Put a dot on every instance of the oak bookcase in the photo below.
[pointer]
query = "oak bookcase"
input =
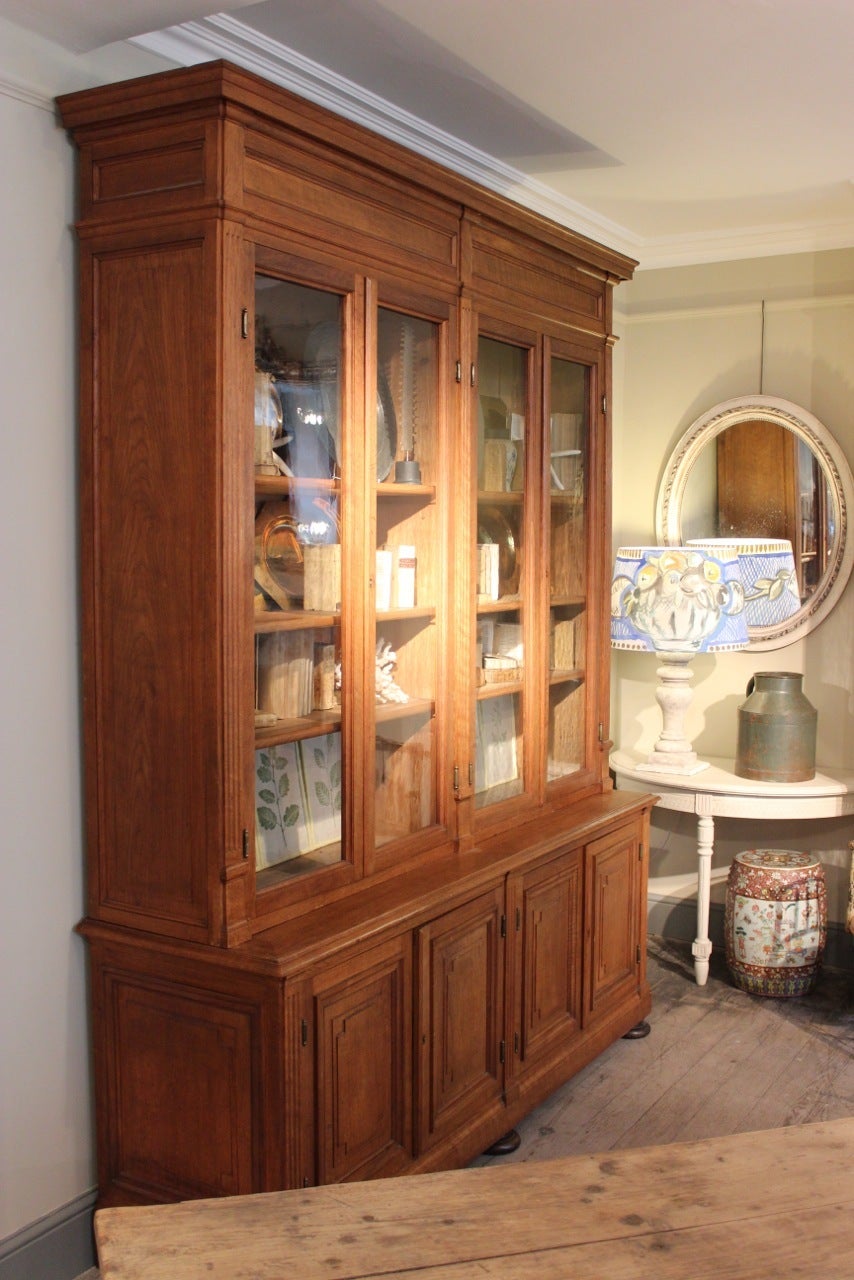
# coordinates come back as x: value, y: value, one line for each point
x: 360, y: 893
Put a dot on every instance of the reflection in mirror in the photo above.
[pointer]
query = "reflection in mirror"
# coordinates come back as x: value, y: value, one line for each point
x: 760, y: 480
x: 765, y: 468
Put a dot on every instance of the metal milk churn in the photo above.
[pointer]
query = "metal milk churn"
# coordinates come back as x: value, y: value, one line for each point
x: 776, y: 730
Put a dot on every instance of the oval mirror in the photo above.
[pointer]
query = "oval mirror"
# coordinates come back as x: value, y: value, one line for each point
x: 761, y: 467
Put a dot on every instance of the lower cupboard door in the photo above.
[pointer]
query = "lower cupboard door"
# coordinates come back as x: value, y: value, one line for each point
x: 460, y: 1002
x: 363, y: 1023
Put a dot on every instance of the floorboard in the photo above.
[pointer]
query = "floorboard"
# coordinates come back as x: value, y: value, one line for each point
x: 717, y: 1061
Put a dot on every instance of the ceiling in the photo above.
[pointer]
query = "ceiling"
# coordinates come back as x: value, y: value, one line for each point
x: 674, y: 130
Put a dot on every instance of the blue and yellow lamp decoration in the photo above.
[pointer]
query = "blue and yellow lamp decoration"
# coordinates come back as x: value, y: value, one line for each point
x: 677, y: 602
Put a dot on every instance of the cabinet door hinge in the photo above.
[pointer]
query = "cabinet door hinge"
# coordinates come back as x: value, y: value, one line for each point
x: 501, y: 1051
x: 605, y: 404
x: 473, y: 375
x: 456, y: 777
x: 504, y: 926
x: 244, y: 323
x: 516, y: 1043
x: 246, y: 842
x: 640, y: 853
x: 518, y: 919
x: 637, y: 955
x: 458, y: 370
x: 601, y: 731
x: 303, y: 1033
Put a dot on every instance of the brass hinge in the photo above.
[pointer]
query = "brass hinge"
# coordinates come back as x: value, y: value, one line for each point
x: 458, y: 370
x: 246, y: 842
x: 473, y: 375
x: 504, y: 926
x: 456, y: 777
x: 244, y: 323
x: 303, y: 1039
x: 601, y: 731
x: 640, y: 852
x: 604, y: 404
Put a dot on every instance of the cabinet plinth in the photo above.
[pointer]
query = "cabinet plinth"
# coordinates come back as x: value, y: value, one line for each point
x: 359, y: 891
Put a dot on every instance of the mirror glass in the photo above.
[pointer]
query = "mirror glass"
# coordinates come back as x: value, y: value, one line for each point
x: 765, y: 468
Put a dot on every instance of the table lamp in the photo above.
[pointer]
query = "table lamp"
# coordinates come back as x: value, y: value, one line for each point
x: 767, y: 568
x: 677, y: 602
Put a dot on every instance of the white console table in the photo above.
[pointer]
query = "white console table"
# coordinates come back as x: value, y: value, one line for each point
x: 716, y: 792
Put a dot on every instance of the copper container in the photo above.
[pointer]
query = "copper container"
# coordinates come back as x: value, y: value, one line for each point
x: 776, y: 730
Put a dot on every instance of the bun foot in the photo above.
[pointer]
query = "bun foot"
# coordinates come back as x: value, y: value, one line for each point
x: 510, y: 1142
x: 638, y: 1031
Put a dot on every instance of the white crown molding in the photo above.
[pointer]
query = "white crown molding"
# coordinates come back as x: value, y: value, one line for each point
x: 224, y: 36
x: 802, y: 304
x: 26, y: 93
x: 745, y: 242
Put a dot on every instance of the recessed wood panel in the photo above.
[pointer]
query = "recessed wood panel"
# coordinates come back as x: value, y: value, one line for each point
x: 612, y: 921
x: 154, y: 568
x: 339, y: 205
x: 531, y: 277
x: 550, y: 989
x: 182, y: 1093
x: 461, y: 986
x: 117, y: 177
x: 363, y: 1028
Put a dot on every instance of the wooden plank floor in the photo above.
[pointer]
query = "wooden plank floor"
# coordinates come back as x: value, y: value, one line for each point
x: 717, y: 1062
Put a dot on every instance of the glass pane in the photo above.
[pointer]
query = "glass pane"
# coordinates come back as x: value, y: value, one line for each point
x: 499, y: 660
x: 408, y: 575
x: 297, y: 571
x: 568, y: 436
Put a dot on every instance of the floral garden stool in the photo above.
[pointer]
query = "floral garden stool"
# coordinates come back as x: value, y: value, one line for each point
x: 775, y: 921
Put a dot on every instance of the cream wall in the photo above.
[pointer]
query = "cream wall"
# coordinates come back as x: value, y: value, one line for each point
x: 692, y: 337
x: 46, y: 1155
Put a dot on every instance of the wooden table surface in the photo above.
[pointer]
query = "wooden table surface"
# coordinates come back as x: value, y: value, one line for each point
x: 776, y: 1203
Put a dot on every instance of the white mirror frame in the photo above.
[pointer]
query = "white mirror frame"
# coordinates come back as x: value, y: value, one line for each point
x: 834, y: 465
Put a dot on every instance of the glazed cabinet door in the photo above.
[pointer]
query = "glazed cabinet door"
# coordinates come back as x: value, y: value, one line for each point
x: 540, y: 545
x: 409, y: 482
x: 303, y: 397
x: 351, y: 579
x: 544, y: 907
x: 615, y: 904
x: 460, y: 986
x: 576, y: 555
x: 505, y: 375
x: 362, y: 1028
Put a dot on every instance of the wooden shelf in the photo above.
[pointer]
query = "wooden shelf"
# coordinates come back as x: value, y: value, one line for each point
x: 313, y: 725
x: 402, y: 492
x: 573, y: 676
x: 507, y: 604
x: 298, y: 620
x: 281, y: 486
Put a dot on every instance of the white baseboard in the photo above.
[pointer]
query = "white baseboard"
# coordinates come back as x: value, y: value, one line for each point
x: 676, y: 918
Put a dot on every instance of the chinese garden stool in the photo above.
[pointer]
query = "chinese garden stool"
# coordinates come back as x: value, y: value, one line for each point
x: 775, y: 921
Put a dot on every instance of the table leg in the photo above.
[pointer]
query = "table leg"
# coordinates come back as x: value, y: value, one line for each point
x: 702, y: 947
